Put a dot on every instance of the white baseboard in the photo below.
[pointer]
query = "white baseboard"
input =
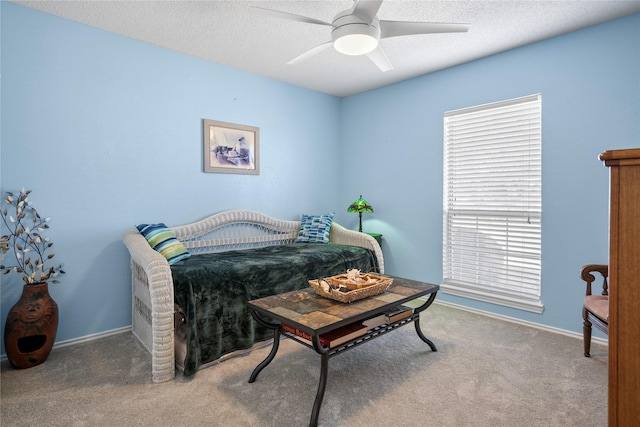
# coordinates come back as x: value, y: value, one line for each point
x: 565, y: 332
x: 85, y: 338
x: 597, y: 340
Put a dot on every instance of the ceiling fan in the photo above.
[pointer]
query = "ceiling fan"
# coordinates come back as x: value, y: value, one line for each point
x: 357, y: 31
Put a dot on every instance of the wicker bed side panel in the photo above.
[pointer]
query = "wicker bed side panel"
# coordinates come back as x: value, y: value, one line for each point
x: 141, y: 307
x: 152, y: 320
x: 344, y: 236
x: 152, y: 305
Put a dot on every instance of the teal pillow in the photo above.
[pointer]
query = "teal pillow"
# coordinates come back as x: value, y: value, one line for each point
x: 315, y: 228
x: 164, y: 241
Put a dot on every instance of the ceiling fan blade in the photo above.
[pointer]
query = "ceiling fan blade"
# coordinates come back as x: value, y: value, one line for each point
x: 289, y: 16
x: 308, y: 54
x: 378, y: 57
x: 366, y: 10
x: 401, y: 28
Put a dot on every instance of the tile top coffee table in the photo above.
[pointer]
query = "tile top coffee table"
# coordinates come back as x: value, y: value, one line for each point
x: 315, y: 315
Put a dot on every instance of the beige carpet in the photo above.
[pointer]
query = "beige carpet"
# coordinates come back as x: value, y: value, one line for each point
x: 486, y: 373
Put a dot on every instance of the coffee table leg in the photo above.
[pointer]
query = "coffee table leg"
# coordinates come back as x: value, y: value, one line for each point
x: 274, y: 348
x: 324, y: 368
x: 422, y: 337
x: 418, y: 310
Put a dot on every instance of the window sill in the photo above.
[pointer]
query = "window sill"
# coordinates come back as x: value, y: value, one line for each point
x: 460, y: 291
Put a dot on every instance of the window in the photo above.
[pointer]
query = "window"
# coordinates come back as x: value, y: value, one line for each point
x: 492, y: 203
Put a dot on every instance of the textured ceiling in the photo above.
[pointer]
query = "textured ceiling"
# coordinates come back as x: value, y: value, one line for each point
x: 230, y: 33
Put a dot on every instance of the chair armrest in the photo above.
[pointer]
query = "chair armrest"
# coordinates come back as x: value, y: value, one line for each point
x: 586, y: 275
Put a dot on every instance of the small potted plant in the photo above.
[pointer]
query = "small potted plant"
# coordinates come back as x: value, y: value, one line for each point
x: 32, y: 323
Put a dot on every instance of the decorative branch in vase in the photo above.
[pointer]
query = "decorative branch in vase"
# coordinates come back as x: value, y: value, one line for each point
x: 30, y: 248
x: 32, y: 323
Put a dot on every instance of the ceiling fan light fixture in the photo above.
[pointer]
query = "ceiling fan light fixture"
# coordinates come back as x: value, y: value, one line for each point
x: 356, y: 39
x: 357, y: 31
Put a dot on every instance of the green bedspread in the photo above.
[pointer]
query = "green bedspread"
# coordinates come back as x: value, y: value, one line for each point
x: 213, y: 290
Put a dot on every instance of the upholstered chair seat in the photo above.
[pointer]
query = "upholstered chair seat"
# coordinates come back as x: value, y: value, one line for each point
x: 598, y: 305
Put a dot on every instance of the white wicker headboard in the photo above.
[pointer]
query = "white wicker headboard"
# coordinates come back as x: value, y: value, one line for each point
x: 236, y: 229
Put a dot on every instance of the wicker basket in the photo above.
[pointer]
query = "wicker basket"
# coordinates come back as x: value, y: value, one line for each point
x: 328, y: 287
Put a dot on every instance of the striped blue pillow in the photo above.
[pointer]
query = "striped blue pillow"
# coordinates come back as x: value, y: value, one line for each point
x: 164, y: 241
x: 315, y: 228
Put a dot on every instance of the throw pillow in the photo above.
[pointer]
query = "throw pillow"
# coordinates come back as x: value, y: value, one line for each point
x: 164, y: 241
x: 315, y: 228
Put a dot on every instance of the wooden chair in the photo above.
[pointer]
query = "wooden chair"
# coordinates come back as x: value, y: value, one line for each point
x: 596, y: 307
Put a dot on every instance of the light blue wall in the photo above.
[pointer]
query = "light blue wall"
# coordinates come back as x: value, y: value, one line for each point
x: 106, y: 131
x: 590, y: 86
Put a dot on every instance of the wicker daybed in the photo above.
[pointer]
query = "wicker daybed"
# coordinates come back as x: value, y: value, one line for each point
x: 226, y: 234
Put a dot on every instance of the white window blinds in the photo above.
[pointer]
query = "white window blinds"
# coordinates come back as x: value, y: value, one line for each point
x: 492, y: 203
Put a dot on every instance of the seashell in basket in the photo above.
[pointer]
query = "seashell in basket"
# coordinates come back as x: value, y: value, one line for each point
x: 354, y: 274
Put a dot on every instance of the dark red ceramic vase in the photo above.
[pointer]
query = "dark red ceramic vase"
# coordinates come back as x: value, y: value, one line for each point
x: 32, y: 324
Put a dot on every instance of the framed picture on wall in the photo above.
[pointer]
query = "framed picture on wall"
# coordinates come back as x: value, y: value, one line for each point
x: 231, y: 148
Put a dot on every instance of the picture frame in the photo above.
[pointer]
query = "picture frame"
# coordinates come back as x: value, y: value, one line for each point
x: 231, y: 148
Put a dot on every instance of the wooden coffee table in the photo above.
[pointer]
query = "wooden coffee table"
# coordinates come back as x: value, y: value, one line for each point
x: 316, y: 315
